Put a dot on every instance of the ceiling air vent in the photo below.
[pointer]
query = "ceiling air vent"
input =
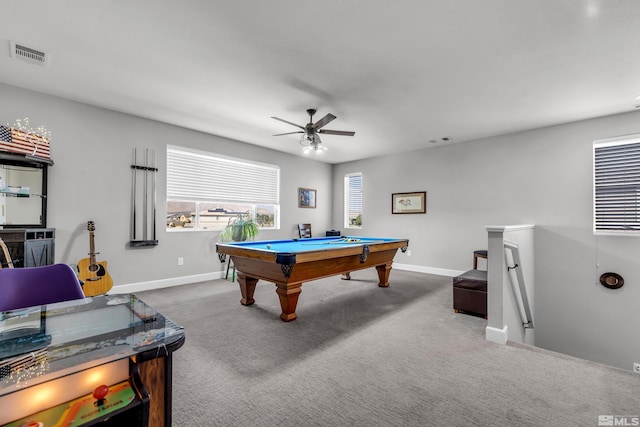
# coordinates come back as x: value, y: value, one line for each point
x: 29, y: 54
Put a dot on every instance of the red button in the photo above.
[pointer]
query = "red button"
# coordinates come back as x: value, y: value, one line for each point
x: 101, y: 392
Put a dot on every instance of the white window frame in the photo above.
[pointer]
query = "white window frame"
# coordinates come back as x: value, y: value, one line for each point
x: 206, y: 177
x: 348, y: 203
x: 616, y: 186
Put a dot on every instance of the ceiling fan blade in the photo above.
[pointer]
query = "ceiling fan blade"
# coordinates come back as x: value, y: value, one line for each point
x: 290, y: 123
x: 288, y: 133
x: 324, y: 121
x: 337, y: 132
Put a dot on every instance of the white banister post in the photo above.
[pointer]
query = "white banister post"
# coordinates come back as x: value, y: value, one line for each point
x: 500, y: 299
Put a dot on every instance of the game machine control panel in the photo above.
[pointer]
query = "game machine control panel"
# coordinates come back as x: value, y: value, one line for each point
x: 125, y: 403
x: 105, y: 361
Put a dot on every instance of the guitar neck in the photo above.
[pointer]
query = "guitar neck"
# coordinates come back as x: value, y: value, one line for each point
x: 92, y: 249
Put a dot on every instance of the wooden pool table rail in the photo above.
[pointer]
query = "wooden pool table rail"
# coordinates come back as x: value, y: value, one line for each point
x: 289, y: 270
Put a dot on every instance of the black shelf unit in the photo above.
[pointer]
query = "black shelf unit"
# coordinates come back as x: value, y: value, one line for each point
x: 26, y: 161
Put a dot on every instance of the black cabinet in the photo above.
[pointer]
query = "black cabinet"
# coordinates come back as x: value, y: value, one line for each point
x: 30, y: 247
x: 23, y: 210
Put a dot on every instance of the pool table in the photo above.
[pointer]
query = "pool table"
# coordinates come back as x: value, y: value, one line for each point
x: 289, y: 263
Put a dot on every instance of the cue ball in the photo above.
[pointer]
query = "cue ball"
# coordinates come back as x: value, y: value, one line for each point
x: 268, y: 246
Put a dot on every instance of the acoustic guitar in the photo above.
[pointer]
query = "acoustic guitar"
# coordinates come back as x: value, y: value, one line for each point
x: 94, y: 274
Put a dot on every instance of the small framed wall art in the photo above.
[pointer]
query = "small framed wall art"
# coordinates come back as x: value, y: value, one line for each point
x: 409, y: 203
x: 306, y: 198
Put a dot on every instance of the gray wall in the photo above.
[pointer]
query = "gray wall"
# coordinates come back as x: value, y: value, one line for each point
x: 91, y: 180
x: 541, y: 177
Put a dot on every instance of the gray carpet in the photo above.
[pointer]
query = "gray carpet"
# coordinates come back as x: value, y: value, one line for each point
x: 360, y: 355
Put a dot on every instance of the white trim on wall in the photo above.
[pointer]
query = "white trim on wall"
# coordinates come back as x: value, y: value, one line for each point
x: 185, y: 280
x: 164, y: 283
x: 428, y: 270
x: 499, y: 336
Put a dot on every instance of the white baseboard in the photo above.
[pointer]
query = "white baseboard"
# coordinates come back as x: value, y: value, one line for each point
x: 428, y: 270
x: 164, y: 283
x: 184, y: 280
x: 496, y: 335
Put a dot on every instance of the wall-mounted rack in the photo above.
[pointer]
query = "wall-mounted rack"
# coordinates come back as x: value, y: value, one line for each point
x: 143, y: 200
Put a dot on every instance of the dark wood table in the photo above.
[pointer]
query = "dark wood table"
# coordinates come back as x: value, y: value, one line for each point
x: 289, y: 263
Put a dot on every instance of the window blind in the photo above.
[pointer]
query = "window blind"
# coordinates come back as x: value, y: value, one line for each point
x: 617, y: 186
x: 200, y: 176
x: 353, y: 198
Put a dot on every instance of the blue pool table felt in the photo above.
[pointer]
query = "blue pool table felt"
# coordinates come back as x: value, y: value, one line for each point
x: 310, y: 244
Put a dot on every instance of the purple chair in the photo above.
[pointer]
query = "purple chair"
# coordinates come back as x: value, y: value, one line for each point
x: 31, y: 286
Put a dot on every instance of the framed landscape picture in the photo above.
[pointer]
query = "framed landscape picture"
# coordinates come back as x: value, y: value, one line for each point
x: 409, y: 203
x: 306, y: 198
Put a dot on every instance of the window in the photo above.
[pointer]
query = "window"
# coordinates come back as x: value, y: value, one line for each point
x: 205, y: 189
x: 616, y: 185
x: 353, y: 200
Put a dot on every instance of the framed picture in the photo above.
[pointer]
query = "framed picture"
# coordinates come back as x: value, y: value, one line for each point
x: 409, y: 203
x: 306, y: 198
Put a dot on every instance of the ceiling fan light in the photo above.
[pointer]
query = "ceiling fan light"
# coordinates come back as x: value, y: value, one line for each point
x: 306, y: 140
x: 310, y: 138
x: 311, y: 142
x: 314, y: 146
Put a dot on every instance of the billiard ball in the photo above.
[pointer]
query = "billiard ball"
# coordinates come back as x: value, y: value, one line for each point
x: 268, y: 246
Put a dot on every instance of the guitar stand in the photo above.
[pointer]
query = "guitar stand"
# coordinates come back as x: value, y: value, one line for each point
x: 146, y: 203
x: 7, y: 255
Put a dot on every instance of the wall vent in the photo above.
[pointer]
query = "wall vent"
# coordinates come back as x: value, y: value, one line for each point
x: 29, y: 54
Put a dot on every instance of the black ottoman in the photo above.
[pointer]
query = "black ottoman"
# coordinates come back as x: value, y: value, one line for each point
x: 470, y: 293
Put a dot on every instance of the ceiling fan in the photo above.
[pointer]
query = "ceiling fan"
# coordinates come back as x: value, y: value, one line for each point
x: 310, y: 132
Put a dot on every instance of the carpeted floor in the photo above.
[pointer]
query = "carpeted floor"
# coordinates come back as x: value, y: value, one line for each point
x: 360, y: 355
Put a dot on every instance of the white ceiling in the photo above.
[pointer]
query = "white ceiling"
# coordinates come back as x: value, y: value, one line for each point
x: 399, y: 73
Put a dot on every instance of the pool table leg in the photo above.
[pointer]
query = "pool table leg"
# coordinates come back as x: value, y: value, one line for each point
x: 288, y: 300
x: 383, y: 275
x: 247, y: 288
